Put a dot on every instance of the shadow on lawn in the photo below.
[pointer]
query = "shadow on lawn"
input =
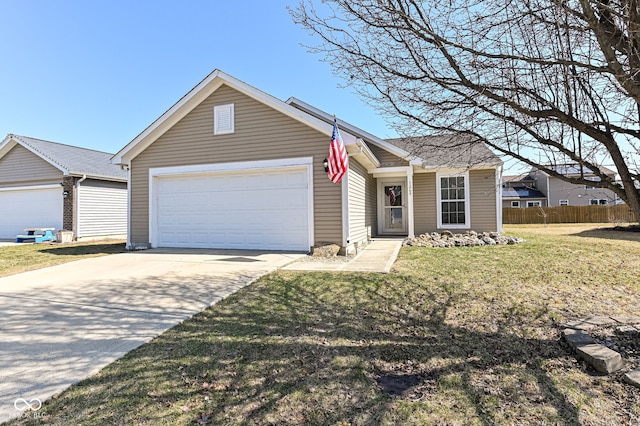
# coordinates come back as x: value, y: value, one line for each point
x: 624, y: 233
x: 292, y: 349
x: 85, y: 249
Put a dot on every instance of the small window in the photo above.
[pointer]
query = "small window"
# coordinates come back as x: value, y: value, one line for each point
x: 594, y: 179
x: 223, y: 119
x: 604, y: 202
x: 564, y: 202
x: 515, y: 204
x: 534, y: 203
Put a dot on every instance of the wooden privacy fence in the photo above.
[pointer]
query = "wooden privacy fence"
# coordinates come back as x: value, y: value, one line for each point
x: 569, y: 214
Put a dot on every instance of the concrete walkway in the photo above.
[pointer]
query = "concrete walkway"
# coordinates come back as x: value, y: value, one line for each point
x: 61, y: 324
x: 378, y: 256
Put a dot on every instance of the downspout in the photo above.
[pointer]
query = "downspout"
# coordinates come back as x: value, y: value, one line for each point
x: 76, y: 200
x: 499, y: 219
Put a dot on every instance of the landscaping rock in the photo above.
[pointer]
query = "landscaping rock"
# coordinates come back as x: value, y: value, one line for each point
x: 448, y: 239
x: 626, y: 319
x: 577, y: 338
x: 589, y: 323
x: 325, y: 250
x: 633, y: 378
x: 601, y: 358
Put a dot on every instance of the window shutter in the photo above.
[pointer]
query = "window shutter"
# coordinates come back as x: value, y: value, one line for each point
x: 223, y: 119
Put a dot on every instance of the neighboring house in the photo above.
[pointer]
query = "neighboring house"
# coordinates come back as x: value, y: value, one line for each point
x: 520, y: 192
x: 538, y: 188
x: 229, y: 166
x: 50, y: 185
x: 561, y: 193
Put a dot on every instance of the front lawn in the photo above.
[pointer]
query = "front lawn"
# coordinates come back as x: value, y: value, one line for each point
x: 29, y: 256
x: 460, y: 336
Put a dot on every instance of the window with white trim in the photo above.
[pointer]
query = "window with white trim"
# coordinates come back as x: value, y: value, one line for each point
x: 593, y: 179
x: 534, y: 203
x: 564, y: 202
x: 223, y: 119
x: 596, y: 202
x: 453, y: 200
x: 515, y: 204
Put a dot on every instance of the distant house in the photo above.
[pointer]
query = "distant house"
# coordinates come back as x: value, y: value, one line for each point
x: 537, y: 188
x: 51, y: 185
x: 520, y: 192
x: 229, y: 166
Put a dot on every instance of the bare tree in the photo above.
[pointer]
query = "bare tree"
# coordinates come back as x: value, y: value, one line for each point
x: 547, y: 82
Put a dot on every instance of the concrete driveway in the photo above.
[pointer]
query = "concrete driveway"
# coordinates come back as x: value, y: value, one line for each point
x: 61, y: 324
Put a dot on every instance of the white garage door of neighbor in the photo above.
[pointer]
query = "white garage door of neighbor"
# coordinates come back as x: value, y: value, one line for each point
x: 29, y: 208
x: 265, y: 210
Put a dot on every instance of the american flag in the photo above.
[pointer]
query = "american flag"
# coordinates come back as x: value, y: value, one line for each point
x: 338, y: 160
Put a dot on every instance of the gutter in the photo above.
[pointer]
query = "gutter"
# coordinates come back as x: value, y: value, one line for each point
x: 76, y: 201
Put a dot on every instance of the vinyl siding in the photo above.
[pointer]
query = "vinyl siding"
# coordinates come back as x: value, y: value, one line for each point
x: 482, y: 193
x: 261, y: 133
x: 424, y: 203
x: 102, y: 209
x: 578, y: 195
x: 20, y: 167
x: 362, y: 203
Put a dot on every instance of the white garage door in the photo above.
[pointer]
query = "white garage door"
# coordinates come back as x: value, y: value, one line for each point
x: 29, y: 208
x: 267, y: 210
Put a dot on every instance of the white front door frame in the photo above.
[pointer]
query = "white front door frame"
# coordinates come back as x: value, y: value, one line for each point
x: 396, y: 174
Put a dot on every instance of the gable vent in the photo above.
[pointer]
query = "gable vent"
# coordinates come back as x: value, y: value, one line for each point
x: 223, y: 119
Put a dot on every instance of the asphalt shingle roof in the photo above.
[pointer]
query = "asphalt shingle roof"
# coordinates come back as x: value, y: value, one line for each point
x: 521, y: 192
x: 75, y: 160
x: 448, y: 151
x: 574, y: 169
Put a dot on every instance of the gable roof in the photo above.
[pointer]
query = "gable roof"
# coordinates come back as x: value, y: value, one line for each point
x: 70, y: 160
x: 201, y: 92
x: 366, y: 136
x: 448, y: 151
x: 575, y: 170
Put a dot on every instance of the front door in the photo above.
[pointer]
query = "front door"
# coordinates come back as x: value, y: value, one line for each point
x: 394, y: 216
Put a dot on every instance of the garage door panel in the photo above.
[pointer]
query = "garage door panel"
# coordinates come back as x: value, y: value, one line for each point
x: 29, y: 208
x: 243, y: 210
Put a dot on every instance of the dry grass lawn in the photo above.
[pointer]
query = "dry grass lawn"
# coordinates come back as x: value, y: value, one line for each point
x: 460, y: 336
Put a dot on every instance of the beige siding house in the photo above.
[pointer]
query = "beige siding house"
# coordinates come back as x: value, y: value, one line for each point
x: 229, y: 166
x: 46, y: 184
x: 539, y: 189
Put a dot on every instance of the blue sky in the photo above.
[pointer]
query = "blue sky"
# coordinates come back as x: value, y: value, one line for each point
x: 97, y: 73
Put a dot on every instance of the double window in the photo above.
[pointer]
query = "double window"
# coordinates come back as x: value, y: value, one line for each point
x: 453, y: 200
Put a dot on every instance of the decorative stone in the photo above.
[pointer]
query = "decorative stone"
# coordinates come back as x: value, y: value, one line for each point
x: 468, y: 239
x: 601, y: 358
x: 325, y: 250
x: 576, y: 338
x: 589, y: 323
x: 626, y: 319
x: 633, y: 378
x: 627, y: 330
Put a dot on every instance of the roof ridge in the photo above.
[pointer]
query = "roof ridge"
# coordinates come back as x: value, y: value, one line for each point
x: 63, y: 144
x: 39, y: 151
